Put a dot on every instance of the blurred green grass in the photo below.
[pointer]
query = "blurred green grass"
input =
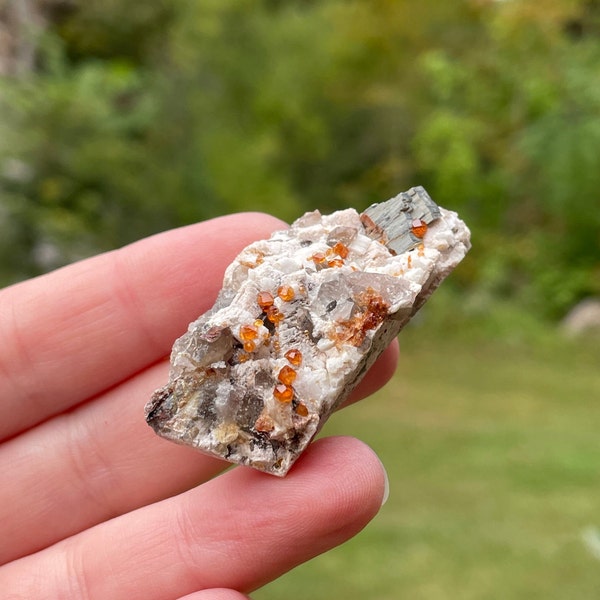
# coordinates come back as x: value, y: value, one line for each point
x: 493, y: 453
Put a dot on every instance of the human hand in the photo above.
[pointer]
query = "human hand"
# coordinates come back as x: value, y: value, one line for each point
x: 93, y: 505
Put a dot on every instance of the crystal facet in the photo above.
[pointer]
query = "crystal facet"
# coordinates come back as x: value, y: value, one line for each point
x: 300, y: 319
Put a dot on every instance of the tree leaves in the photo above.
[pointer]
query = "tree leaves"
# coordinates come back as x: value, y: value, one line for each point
x: 139, y: 118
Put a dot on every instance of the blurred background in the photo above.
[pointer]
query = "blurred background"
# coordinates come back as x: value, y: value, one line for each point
x: 119, y: 119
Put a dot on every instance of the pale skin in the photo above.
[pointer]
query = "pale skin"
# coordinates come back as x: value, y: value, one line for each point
x: 93, y: 505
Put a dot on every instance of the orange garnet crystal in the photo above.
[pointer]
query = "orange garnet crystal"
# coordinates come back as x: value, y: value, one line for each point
x: 294, y: 357
x: 265, y: 300
x: 287, y: 375
x: 286, y: 293
x: 248, y: 333
x: 341, y: 250
x: 301, y: 410
x: 418, y: 228
x: 283, y: 393
x: 319, y: 258
x: 249, y: 346
x: 274, y: 315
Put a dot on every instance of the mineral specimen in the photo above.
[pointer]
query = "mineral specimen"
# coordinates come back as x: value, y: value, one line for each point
x: 300, y: 319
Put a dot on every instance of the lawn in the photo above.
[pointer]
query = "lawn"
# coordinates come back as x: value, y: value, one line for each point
x: 493, y: 453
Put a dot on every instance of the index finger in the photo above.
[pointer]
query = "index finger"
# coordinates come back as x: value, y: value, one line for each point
x: 74, y: 333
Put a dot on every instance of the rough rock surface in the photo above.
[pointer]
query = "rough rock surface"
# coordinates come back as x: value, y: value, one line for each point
x: 299, y: 320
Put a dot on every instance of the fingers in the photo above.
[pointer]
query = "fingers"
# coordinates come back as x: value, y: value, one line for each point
x: 84, y: 328
x: 99, y: 461
x: 237, y: 531
x: 90, y: 465
x: 220, y: 594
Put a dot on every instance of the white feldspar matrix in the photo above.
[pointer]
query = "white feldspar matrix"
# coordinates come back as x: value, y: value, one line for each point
x: 299, y: 320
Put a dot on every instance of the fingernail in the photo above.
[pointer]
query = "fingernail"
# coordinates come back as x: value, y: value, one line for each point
x: 386, y: 487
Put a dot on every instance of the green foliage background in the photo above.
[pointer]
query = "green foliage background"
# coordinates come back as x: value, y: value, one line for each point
x: 145, y: 116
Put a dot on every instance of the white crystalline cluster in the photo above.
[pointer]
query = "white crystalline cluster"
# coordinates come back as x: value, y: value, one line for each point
x: 300, y: 319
